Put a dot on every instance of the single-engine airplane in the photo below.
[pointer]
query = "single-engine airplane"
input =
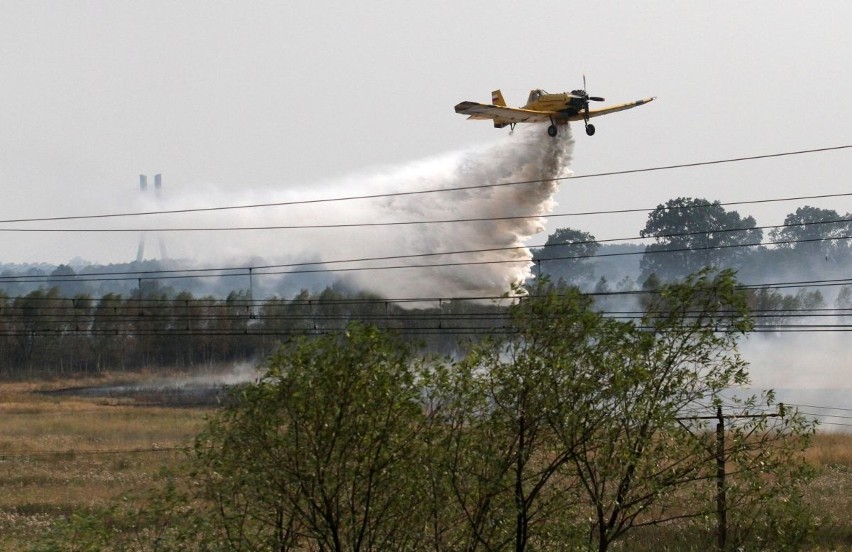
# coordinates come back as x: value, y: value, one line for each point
x: 541, y: 107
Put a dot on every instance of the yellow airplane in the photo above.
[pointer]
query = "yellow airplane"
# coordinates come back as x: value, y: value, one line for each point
x: 541, y: 107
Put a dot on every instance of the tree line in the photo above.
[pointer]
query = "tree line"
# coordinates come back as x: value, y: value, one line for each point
x: 60, y: 328
x: 46, y: 333
x: 691, y: 233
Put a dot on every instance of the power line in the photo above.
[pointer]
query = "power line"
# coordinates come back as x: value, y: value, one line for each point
x: 436, y: 190
x: 245, y: 303
x: 821, y: 407
x: 833, y: 416
x: 258, y: 270
x: 425, y: 222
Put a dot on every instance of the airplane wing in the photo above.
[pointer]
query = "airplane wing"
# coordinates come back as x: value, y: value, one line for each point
x: 613, y: 108
x: 510, y: 115
x: 502, y: 114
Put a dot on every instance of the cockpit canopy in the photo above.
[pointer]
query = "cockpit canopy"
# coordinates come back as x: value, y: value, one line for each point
x: 536, y: 94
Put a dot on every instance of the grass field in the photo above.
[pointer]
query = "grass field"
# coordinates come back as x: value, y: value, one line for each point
x: 60, y: 454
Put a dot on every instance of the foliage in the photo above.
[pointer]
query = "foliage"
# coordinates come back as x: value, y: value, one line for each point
x: 813, y: 231
x: 573, y: 430
x: 501, y: 406
x: 699, y: 233
x: 46, y: 333
x: 566, y: 256
x: 323, y: 452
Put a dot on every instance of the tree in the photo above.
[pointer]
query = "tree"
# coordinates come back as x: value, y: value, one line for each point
x: 323, y: 451
x: 64, y: 278
x: 699, y: 234
x: 566, y: 255
x: 113, y: 343
x: 812, y: 236
x: 570, y: 429
x: 844, y: 298
x: 640, y: 446
x: 38, y: 327
x: 501, y: 404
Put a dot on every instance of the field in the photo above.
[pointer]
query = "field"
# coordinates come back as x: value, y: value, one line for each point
x: 61, y: 453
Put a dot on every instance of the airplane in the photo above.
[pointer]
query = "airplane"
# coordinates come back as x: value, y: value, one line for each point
x: 541, y: 107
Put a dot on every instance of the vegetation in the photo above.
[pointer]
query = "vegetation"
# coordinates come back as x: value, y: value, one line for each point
x: 692, y: 233
x: 555, y: 427
x: 109, y: 494
x: 63, y: 457
x: 46, y: 334
x: 575, y: 431
x: 52, y: 323
x: 699, y: 233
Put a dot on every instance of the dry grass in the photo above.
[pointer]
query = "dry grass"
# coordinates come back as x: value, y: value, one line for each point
x: 831, y: 450
x: 830, y: 493
x: 82, y: 468
x: 38, y: 489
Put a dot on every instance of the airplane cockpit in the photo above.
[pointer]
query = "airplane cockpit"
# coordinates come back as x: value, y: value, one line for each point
x: 535, y: 95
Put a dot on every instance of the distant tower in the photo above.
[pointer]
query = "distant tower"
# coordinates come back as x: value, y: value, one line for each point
x: 158, y: 194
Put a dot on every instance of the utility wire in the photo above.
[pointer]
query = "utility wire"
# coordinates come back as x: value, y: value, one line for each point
x: 261, y: 271
x: 437, y: 190
x: 245, y: 303
x: 243, y: 271
x: 424, y: 222
x: 820, y: 407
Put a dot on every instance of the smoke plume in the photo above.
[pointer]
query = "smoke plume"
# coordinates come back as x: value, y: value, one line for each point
x: 527, y: 155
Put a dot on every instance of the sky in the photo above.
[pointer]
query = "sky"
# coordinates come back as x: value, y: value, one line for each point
x: 237, y: 102
x: 243, y: 102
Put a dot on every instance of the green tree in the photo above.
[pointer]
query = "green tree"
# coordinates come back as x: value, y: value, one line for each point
x: 653, y: 449
x: 64, y: 278
x: 566, y: 255
x: 569, y: 430
x: 323, y: 452
x: 844, y: 298
x: 815, y: 232
x: 38, y: 330
x: 503, y: 404
x: 699, y: 233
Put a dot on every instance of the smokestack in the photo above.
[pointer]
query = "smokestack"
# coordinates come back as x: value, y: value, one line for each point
x: 158, y: 192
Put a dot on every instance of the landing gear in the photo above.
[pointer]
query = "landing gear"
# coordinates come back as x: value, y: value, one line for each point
x: 551, y: 131
x: 590, y: 130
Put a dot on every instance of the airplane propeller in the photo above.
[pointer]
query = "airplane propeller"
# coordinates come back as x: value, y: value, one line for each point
x: 590, y: 129
x: 585, y: 95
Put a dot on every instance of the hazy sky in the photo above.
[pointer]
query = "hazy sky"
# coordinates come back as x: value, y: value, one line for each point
x: 243, y: 101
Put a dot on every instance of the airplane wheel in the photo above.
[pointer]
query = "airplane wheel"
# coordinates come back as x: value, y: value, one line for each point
x: 551, y: 131
x: 590, y: 130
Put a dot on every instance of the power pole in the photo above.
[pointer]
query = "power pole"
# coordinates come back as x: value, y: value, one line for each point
x: 721, y: 496
x: 721, y: 492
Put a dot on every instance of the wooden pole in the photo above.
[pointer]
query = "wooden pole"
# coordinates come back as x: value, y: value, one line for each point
x: 721, y: 506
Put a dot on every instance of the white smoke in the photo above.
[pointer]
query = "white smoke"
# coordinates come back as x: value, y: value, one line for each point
x: 527, y: 155
x: 807, y: 360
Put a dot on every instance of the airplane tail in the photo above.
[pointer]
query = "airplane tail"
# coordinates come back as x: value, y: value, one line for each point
x: 497, y: 98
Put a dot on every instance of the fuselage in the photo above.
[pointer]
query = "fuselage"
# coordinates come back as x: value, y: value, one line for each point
x: 569, y: 104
